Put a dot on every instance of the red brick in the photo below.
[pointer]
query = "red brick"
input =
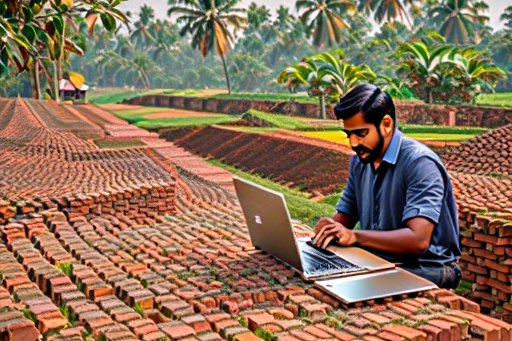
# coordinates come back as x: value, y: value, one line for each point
x: 257, y: 320
x: 406, y: 332
x: 246, y: 337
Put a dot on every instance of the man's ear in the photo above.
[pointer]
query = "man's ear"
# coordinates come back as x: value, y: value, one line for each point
x: 387, y: 125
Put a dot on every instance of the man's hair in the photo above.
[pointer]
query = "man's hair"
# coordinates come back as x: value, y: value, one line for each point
x: 368, y: 99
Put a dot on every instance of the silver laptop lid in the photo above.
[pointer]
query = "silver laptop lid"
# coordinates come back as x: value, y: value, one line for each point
x: 268, y: 221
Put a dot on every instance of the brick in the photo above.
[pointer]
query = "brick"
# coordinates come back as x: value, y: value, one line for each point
x: 406, y: 332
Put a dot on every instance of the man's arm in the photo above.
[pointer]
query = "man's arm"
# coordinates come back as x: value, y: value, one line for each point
x: 413, y: 238
x: 425, y: 186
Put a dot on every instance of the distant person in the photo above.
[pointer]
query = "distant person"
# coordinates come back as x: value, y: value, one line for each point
x: 397, y: 190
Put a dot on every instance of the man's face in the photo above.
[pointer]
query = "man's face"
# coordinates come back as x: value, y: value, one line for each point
x: 365, y: 139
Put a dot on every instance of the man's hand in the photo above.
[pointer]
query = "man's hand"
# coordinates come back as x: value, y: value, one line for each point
x: 327, y: 230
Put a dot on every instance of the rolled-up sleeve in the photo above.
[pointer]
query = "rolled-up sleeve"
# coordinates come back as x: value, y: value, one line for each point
x: 425, y: 189
x: 348, y: 201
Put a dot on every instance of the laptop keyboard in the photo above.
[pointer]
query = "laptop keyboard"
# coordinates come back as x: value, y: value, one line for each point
x: 322, y: 262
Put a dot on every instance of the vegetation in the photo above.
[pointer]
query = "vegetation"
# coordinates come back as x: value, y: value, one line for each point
x: 438, y: 72
x: 300, y: 206
x: 38, y: 35
x: 118, y: 144
x: 209, y: 24
x: 279, y: 121
x: 498, y: 99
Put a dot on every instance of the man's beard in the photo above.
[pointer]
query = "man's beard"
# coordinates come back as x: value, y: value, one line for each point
x: 373, y: 154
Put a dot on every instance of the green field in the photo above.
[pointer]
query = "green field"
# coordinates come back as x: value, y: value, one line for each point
x: 106, y: 96
x: 500, y: 99
x: 268, y: 97
x: 300, y: 206
x: 178, y: 122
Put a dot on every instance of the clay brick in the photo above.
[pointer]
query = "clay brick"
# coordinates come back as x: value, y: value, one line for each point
x: 406, y: 332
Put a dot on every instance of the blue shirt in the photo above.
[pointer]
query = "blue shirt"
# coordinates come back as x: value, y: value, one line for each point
x: 411, y: 181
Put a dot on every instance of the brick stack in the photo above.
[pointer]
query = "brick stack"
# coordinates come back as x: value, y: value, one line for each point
x: 486, y: 154
x: 487, y: 260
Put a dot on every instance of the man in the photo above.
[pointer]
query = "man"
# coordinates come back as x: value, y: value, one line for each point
x: 398, y: 190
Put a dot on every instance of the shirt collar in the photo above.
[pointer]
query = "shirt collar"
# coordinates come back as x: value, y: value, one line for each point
x: 391, y: 154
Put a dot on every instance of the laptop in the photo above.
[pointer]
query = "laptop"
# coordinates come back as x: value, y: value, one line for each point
x: 340, y: 271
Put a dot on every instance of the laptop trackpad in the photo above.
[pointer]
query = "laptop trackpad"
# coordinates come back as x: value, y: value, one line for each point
x: 375, y: 285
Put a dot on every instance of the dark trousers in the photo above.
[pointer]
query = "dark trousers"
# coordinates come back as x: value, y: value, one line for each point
x: 444, y: 276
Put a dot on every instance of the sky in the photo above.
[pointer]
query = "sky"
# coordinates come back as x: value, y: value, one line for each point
x: 496, y: 7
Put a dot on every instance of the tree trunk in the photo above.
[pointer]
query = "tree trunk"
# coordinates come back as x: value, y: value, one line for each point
x: 323, y: 114
x: 37, y: 80
x: 430, y: 96
x: 226, y: 73
x: 55, y: 82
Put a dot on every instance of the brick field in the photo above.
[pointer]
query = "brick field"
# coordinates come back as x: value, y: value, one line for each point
x: 84, y: 257
x: 484, y: 202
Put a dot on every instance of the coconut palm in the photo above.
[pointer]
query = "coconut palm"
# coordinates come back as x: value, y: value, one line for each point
x: 386, y: 10
x: 506, y: 16
x: 323, y: 19
x: 459, y: 20
x: 209, y: 23
x: 257, y: 15
x: 142, y: 34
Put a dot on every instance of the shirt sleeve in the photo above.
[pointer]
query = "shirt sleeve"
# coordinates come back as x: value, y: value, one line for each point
x: 348, y: 201
x: 425, y: 190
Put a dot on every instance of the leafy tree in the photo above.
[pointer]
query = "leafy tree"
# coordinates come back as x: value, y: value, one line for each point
x: 208, y: 22
x: 460, y: 19
x: 323, y: 19
x: 34, y: 32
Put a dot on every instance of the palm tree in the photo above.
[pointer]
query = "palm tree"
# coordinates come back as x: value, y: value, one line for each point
x: 142, y: 32
x: 422, y: 61
x: 507, y: 17
x: 459, y: 20
x: 257, y: 15
x: 307, y: 74
x: 322, y: 17
x: 386, y: 10
x: 208, y: 22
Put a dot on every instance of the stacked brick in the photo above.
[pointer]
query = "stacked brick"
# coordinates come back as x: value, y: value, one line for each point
x: 195, y: 276
x: 486, y: 154
x: 487, y: 260
x: 45, y: 165
x: 302, y: 165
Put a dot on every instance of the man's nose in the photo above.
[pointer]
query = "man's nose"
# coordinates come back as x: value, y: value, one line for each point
x: 354, y: 141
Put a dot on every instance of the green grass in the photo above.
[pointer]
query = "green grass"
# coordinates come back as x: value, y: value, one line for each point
x: 331, y: 199
x: 437, y: 129
x: 279, y: 121
x: 300, y: 206
x: 105, y: 96
x: 118, y: 144
x: 501, y: 99
x: 268, y: 97
x: 176, y: 122
x: 142, y: 111
x: 440, y: 137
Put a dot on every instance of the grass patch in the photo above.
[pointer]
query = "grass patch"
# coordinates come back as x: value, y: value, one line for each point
x: 464, y: 287
x: 176, y: 122
x: 268, y: 97
x: 331, y: 200
x: 279, y: 121
x: 500, y: 99
x: 436, y: 129
x: 300, y: 206
x: 141, y: 111
x: 440, y: 137
x: 118, y: 144
x: 105, y: 96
